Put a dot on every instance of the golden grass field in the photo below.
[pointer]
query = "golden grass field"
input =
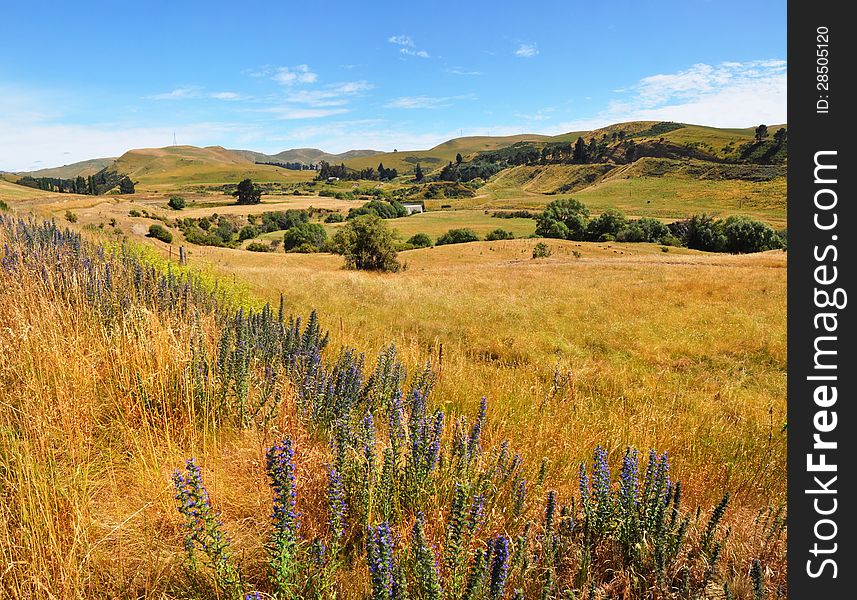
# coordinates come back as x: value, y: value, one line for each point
x: 601, y: 343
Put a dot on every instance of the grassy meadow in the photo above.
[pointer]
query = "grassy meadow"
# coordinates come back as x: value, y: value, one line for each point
x: 112, y: 376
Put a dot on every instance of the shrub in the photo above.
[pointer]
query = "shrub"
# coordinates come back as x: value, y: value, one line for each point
x: 248, y: 232
x: 541, y: 250
x: 367, y: 244
x: 305, y: 235
x: 134, y: 213
x: 457, y: 236
x: 176, y: 203
x: 566, y: 219
x: 420, y: 240
x: 334, y: 218
x: 70, y: 217
x: 259, y: 247
x: 499, y: 234
x: 159, y: 232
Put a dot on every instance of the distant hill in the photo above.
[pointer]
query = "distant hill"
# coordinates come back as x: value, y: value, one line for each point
x: 190, y: 165
x: 304, y: 155
x: 83, y: 168
x: 405, y: 160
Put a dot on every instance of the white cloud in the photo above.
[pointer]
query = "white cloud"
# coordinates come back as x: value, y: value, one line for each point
x: 35, y: 145
x: 225, y: 96
x: 401, y: 40
x: 412, y: 52
x: 729, y: 94
x: 292, y: 112
x: 408, y: 47
x: 527, y: 50
x: 291, y: 75
x: 182, y: 93
x: 412, y: 102
x: 193, y: 93
x: 462, y: 71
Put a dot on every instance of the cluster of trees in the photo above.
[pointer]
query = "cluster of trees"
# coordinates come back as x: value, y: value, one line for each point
x: 525, y: 153
x: 569, y: 219
x: 340, y: 171
x: 305, y: 237
x: 221, y: 231
x: 461, y: 171
x: 93, y: 185
x: 736, y: 234
x: 292, y: 166
x: 514, y: 214
x: 385, y: 209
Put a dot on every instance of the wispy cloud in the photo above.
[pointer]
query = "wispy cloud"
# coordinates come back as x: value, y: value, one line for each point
x: 540, y: 115
x: 407, y: 46
x: 527, y: 50
x: 292, y: 75
x: 462, y: 71
x: 194, y: 93
x: 295, y: 112
x: 412, y: 102
x: 182, y: 93
x: 729, y: 94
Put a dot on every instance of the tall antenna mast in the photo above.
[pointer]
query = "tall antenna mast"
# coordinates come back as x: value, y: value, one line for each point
x: 174, y: 139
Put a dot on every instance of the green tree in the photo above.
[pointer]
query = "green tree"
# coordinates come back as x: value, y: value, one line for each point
x: 780, y: 135
x: 607, y: 225
x: 308, y: 235
x: 126, y: 186
x: 566, y: 219
x: 458, y: 158
x: 761, y: 132
x: 367, y: 244
x: 248, y: 193
x: 744, y: 234
x: 418, y: 173
x: 705, y: 233
x: 176, y: 203
x: 579, y: 154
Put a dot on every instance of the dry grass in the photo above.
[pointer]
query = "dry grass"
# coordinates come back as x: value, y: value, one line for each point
x: 679, y: 351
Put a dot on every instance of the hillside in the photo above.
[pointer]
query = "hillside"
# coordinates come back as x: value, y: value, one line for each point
x: 183, y: 165
x: 83, y: 168
x: 304, y: 155
x: 405, y: 160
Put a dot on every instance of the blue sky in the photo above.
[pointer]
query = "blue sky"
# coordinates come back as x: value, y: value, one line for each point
x: 98, y: 78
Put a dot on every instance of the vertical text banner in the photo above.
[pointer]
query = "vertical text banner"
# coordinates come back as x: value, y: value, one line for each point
x: 822, y: 429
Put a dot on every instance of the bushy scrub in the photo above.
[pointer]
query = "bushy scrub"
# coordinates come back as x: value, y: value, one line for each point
x: 307, y: 237
x: 457, y: 236
x: 386, y: 209
x: 564, y: 219
x: 159, y: 232
x: 606, y: 225
x: 367, y: 244
x: 176, y: 203
x: 499, y: 234
x: 334, y: 217
x: 420, y: 240
x: 541, y: 250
